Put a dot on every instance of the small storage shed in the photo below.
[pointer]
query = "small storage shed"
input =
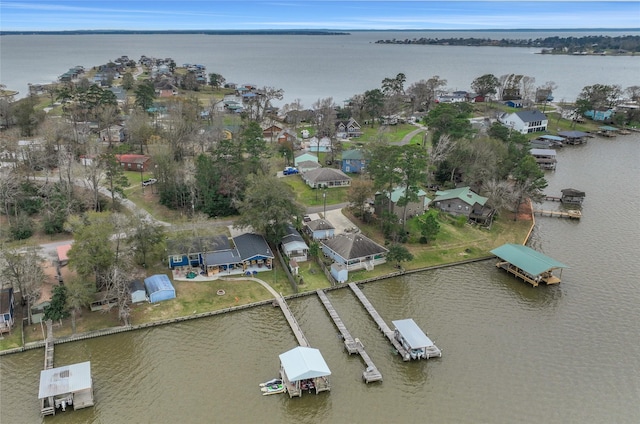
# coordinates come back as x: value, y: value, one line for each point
x: 62, y: 252
x: 304, y: 368
x: 339, y: 272
x: 138, y: 292
x: 159, y: 288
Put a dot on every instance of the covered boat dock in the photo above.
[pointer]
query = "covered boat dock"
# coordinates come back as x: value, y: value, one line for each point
x: 69, y: 385
x: 304, y: 368
x: 574, y: 137
x: 528, y: 264
x: 414, y: 340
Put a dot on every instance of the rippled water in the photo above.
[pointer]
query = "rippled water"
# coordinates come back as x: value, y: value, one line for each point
x: 511, y: 353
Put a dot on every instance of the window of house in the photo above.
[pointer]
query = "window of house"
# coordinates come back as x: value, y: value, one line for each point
x: 177, y: 259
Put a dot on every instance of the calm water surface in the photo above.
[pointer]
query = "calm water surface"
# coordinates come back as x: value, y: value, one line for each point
x: 511, y: 353
x: 315, y: 67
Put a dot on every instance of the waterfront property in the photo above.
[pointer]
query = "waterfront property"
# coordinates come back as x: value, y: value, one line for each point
x: 525, y: 121
x: 607, y: 131
x: 528, y: 264
x: 70, y: 385
x: 304, y: 368
x: 293, y: 245
x: 355, y: 251
x: 572, y: 196
x: 573, y: 137
x: 414, y: 340
x: 319, y: 229
x: 7, y: 310
x: 137, y: 291
x: 382, y: 200
x: 545, y: 158
x: 464, y: 201
x: 546, y: 142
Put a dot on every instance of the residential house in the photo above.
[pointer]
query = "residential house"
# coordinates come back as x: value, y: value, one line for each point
x: 320, y: 144
x: 545, y: 158
x: 287, y: 136
x: 382, y: 200
x: 326, y: 178
x: 348, y: 129
x: 319, y: 229
x: 353, y: 161
x: 294, y: 246
x: 138, y: 163
x: 600, y: 115
x: 525, y: 121
x: 354, y: 251
x: 271, y: 129
x: 7, y: 310
x: 307, y: 165
x: 303, y: 158
x: 463, y: 201
x: 254, y: 251
x: 191, y: 252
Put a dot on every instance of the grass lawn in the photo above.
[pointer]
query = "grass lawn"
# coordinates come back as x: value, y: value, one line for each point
x: 308, y: 196
x: 391, y: 133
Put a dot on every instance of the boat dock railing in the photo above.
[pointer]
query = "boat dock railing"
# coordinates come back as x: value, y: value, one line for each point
x: 571, y: 214
x: 382, y: 325
x: 352, y: 345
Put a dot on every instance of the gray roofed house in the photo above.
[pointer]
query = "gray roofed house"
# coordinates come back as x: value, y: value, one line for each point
x: 525, y: 121
x: 326, y: 178
x: 307, y: 165
x: 355, y: 251
x: 252, y: 247
x: 191, y: 252
x: 320, y: 229
x: 294, y: 245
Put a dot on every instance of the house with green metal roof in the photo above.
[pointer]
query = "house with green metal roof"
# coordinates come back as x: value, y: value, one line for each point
x: 464, y: 201
x: 382, y: 200
x: 528, y: 264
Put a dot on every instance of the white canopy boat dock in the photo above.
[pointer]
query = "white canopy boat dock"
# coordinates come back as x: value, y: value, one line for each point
x: 304, y: 368
x: 528, y: 264
x: 69, y: 385
x: 414, y: 340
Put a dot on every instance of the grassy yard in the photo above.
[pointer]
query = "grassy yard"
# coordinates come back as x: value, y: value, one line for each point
x: 308, y: 196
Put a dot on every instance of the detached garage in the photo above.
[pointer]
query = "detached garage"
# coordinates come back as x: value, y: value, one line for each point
x: 159, y: 288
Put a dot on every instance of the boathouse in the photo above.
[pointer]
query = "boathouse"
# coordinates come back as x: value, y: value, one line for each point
x: 304, y: 368
x: 414, y: 340
x: 545, y: 158
x: 70, y: 385
x: 572, y: 196
x: 573, y: 137
x: 528, y: 264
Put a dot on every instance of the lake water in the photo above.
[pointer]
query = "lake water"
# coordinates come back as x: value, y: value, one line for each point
x: 314, y: 67
x: 511, y: 353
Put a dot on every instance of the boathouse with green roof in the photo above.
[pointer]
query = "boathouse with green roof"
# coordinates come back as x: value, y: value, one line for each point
x: 528, y: 264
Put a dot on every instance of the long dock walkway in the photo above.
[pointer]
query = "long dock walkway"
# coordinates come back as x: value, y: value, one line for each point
x: 353, y: 345
x: 46, y: 407
x: 571, y: 214
x: 293, y: 323
x: 382, y: 325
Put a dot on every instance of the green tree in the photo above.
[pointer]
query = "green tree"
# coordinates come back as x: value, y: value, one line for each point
x: 486, y: 85
x: 114, y: 174
x: 145, y: 95
x: 26, y: 115
x: 91, y: 253
x: 23, y: 270
x: 57, y: 309
x: 253, y: 143
x: 398, y: 253
x: 79, y: 294
x: 429, y: 228
x: 394, y: 86
x: 360, y: 191
x: 127, y: 81
x: 268, y: 206
x: 373, y: 102
x: 413, y: 164
x: 451, y: 119
x: 145, y: 237
x: 529, y: 182
x: 216, y: 80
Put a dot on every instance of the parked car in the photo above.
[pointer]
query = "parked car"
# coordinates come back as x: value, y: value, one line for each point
x: 290, y: 170
x: 149, y: 182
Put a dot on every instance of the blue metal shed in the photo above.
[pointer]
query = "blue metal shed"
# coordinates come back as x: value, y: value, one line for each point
x: 159, y: 288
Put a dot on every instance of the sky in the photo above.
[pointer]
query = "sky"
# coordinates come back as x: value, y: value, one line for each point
x: 59, y: 15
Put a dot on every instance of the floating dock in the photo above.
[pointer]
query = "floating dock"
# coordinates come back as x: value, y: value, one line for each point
x: 571, y: 214
x: 352, y: 345
x: 388, y: 332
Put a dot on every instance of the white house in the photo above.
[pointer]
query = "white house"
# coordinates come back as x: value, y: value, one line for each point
x: 525, y: 121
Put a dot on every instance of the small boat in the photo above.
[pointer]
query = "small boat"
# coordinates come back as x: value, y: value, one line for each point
x: 273, y: 389
x: 271, y: 382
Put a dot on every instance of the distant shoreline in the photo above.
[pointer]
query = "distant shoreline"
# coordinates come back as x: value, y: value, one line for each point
x: 182, y: 32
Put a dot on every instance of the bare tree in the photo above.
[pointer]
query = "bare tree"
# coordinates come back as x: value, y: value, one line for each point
x: 23, y: 270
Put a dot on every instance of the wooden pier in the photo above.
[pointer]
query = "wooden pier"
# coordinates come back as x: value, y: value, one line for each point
x: 47, y: 407
x: 293, y: 323
x: 381, y: 324
x: 571, y: 214
x: 352, y: 345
